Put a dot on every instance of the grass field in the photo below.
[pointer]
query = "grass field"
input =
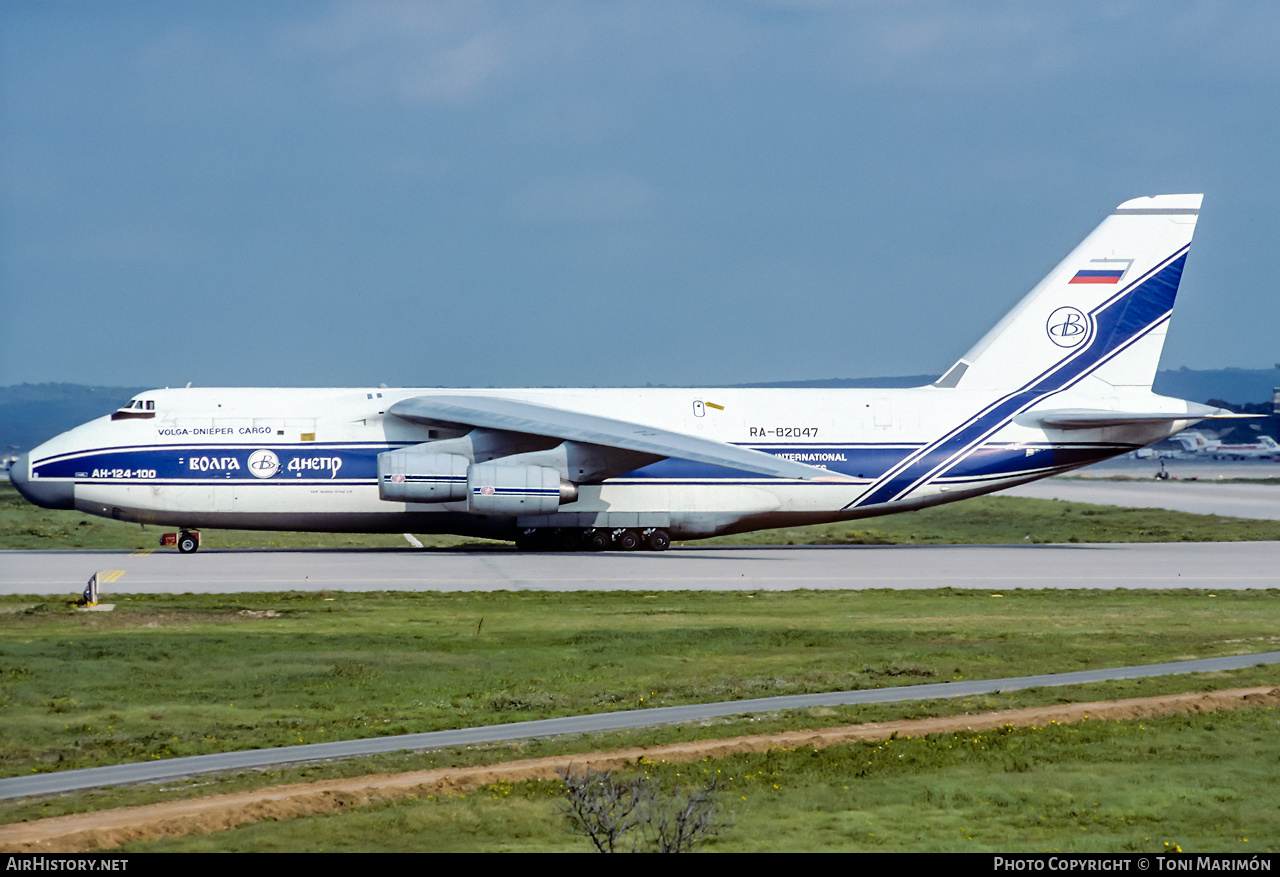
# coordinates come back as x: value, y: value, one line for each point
x: 24, y: 527
x: 169, y: 675
x: 988, y: 519
x: 1197, y: 783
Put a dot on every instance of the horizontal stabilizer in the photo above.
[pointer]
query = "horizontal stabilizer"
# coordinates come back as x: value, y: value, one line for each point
x: 490, y: 412
x: 1088, y: 418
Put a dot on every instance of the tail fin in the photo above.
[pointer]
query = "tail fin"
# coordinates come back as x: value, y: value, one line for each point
x: 1102, y: 312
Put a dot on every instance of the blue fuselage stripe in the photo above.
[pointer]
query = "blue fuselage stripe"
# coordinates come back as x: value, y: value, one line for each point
x: 168, y: 466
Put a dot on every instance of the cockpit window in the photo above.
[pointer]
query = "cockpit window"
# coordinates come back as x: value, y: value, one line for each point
x: 136, y: 408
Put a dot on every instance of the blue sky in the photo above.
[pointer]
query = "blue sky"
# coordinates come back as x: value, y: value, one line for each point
x: 607, y: 193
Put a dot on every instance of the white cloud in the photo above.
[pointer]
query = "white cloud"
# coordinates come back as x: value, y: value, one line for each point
x: 417, y: 52
x: 584, y: 198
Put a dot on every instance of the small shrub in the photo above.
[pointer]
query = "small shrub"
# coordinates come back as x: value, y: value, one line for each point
x: 637, y: 814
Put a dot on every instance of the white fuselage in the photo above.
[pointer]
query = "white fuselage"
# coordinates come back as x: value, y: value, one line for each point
x: 1265, y: 448
x: 1063, y: 380
x: 190, y: 461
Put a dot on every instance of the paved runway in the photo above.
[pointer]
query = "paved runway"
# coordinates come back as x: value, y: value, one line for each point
x: 1217, y: 565
x: 1205, y: 469
x: 1195, y: 486
x: 1196, y: 497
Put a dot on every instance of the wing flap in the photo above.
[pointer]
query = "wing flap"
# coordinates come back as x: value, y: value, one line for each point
x: 512, y: 415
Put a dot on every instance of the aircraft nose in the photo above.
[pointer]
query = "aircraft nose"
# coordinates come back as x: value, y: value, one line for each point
x: 46, y: 494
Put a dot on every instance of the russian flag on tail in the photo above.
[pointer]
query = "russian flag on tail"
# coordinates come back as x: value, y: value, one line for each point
x: 1102, y: 271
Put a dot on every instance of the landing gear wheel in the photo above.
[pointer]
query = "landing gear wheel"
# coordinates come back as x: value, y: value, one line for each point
x: 538, y: 539
x: 659, y: 540
x: 188, y: 542
x: 628, y: 540
x: 599, y: 540
x: 568, y: 540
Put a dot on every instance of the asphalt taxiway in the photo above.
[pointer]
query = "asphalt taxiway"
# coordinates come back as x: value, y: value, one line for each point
x: 1260, y: 501
x: 1214, y: 565
x: 1197, y: 486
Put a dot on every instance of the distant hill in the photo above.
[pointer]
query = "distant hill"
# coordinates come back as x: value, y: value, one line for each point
x: 1238, y: 385
x: 33, y: 413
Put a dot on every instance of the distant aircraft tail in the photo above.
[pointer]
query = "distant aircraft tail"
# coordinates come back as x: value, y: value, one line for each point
x: 1101, y: 313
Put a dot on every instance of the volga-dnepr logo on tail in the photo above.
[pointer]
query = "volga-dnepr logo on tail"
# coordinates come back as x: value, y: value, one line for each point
x: 1067, y: 327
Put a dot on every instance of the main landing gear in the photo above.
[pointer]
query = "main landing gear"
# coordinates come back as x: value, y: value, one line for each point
x: 593, y: 539
x: 186, y: 540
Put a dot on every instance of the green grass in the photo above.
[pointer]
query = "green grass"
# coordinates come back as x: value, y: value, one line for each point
x: 26, y: 527
x: 983, y: 520
x: 727, y: 726
x: 172, y: 675
x: 1192, y: 783
x: 169, y: 675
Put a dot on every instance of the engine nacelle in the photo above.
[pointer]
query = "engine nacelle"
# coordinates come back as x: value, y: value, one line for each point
x: 415, y: 475
x: 495, y: 489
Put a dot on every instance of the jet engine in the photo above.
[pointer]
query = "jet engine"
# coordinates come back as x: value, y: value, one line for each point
x: 414, y: 475
x: 495, y: 489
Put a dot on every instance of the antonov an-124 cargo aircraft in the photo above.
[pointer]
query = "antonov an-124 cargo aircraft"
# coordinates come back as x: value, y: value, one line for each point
x: 1064, y: 380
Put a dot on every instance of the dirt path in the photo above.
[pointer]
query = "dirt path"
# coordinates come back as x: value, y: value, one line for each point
x: 108, y: 828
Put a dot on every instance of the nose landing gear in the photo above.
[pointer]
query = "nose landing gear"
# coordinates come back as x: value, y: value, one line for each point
x: 186, y: 540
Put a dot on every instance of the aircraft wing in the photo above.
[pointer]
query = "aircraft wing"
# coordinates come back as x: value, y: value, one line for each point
x: 511, y: 415
x: 1088, y: 418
